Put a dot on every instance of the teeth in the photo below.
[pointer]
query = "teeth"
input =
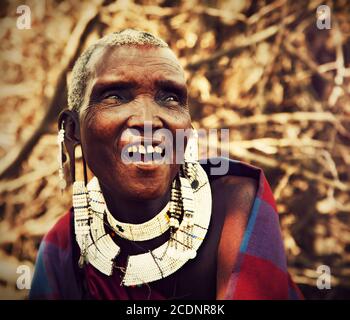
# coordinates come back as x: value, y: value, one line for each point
x: 158, y: 149
x: 150, y: 149
x: 142, y: 149
x: 145, y: 149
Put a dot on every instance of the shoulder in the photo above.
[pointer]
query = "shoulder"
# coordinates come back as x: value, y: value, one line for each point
x: 239, y: 178
x: 240, y: 190
x: 236, y: 183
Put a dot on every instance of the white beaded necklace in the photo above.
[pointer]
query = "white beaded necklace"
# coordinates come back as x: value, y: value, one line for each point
x: 98, y: 248
x: 136, y: 232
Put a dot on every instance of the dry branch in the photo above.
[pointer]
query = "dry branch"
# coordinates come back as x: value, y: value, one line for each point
x: 10, y: 164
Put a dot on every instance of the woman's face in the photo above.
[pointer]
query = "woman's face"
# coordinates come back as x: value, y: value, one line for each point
x: 131, y: 86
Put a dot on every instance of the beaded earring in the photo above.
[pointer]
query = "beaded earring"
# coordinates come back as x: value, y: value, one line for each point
x: 182, y: 202
x: 187, y: 187
x: 61, y: 158
x: 175, y: 209
x: 191, y: 160
x: 82, y: 216
x: 188, y: 217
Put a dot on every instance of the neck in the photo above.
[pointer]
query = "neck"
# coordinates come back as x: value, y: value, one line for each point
x: 132, y: 211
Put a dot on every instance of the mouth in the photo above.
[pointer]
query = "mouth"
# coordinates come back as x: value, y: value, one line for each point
x: 144, y: 154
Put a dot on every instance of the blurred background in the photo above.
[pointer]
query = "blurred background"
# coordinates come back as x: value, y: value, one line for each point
x: 264, y: 69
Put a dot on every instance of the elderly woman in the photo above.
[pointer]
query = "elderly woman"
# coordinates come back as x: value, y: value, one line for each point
x: 145, y: 226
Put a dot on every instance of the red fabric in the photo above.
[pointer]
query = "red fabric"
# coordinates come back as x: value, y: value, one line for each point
x: 260, y: 280
x: 59, y: 234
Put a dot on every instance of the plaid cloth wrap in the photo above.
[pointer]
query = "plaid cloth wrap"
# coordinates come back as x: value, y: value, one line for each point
x: 260, y: 271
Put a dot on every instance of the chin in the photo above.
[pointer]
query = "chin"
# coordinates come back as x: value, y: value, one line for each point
x: 147, y: 185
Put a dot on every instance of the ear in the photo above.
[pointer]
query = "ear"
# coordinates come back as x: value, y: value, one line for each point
x: 70, y: 121
x: 71, y: 126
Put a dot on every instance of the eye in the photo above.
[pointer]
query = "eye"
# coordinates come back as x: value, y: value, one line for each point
x: 170, y: 98
x: 113, y: 96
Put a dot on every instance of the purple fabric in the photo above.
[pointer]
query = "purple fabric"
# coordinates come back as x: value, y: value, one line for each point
x: 264, y: 228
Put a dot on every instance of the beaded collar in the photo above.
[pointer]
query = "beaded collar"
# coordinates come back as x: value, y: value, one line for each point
x: 98, y: 248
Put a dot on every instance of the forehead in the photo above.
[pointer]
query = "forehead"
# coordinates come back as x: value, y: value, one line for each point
x: 136, y: 63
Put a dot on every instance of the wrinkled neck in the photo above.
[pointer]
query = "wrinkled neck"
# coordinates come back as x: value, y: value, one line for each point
x: 131, y: 210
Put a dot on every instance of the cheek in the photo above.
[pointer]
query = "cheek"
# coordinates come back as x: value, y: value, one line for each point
x: 179, y: 120
x: 181, y: 123
x: 98, y: 136
x: 186, y: 121
x: 100, y: 127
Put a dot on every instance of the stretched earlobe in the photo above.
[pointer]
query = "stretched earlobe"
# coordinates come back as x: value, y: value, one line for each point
x: 78, y: 154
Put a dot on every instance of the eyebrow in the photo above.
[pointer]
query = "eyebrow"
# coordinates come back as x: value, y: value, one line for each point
x: 173, y: 86
x: 102, y: 85
x: 163, y: 84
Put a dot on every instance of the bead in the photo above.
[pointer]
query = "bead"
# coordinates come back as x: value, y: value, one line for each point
x: 81, y: 261
x: 191, y: 254
x: 194, y: 184
x: 120, y: 228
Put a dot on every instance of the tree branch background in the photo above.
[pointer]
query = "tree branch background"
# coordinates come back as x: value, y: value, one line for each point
x: 260, y: 68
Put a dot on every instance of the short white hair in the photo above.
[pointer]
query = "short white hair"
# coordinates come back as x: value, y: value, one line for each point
x: 81, y: 73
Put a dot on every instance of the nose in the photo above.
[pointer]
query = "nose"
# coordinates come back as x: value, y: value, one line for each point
x: 146, y: 116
